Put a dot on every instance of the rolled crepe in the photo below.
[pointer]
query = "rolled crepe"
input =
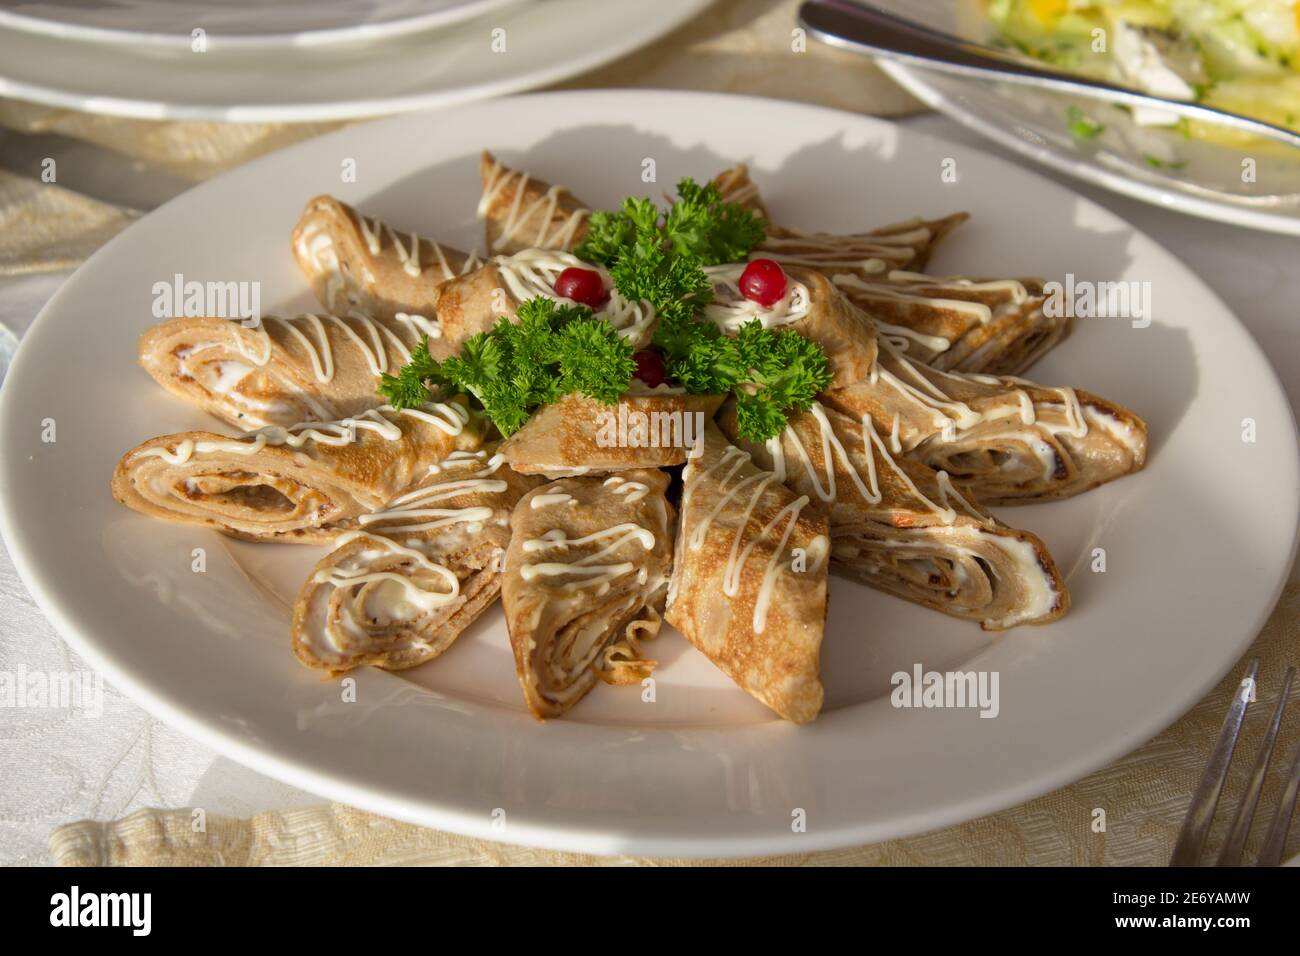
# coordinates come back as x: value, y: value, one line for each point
x: 280, y: 372
x: 902, y: 245
x: 902, y: 528
x: 585, y: 578
x: 994, y: 326
x: 1009, y: 440
x: 305, y: 483
x: 474, y: 302
x: 401, y: 587
x: 355, y: 263
x: 520, y: 212
x: 577, y: 434
x: 812, y: 306
x: 749, y: 578
x: 736, y: 187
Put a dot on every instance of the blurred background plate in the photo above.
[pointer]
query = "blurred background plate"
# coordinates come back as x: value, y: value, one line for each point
x: 514, y: 48
x: 1153, y: 164
x: 229, y: 23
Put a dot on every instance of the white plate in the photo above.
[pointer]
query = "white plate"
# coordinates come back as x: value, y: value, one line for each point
x: 1197, y: 546
x: 259, y: 23
x: 1194, y: 177
x: 545, y: 41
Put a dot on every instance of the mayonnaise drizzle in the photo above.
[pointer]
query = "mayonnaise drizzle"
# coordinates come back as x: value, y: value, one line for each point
x: 533, y: 272
x: 450, y: 418
x: 729, y: 309
x: 550, y: 233
x: 320, y: 351
x: 737, y: 557
x: 597, y: 575
x: 411, y: 513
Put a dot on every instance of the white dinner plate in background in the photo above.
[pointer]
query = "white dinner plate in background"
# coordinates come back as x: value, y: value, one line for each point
x: 1196, y: 547
x: 516, y: 47
x: 231, y: 23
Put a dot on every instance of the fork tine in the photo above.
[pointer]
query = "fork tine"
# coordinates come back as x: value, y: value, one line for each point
x: 1275, y: 842
x: 1200, y: 814
x: 1230, y: 855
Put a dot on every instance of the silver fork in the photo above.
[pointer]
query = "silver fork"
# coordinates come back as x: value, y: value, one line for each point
x: 1196, y: 825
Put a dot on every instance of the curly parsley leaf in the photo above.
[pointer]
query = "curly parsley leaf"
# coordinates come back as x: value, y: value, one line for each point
x: 549, y: 351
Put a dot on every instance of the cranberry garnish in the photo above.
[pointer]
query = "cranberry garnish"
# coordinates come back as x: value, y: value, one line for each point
x: 763, y: 281
x: 584, y: 286
x: 650, y: 367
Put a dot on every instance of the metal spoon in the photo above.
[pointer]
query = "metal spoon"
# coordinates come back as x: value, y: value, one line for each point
x: 866, y: 29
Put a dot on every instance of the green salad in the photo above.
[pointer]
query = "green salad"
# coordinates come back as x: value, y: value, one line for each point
x: 1238, y: 55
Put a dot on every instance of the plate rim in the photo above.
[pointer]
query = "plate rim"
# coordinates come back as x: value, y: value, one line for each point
x: 20, y: 22
x: 563, y: 836
x: 912, y: 79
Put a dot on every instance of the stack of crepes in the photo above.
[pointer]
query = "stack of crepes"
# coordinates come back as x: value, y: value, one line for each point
x: 591, y: 545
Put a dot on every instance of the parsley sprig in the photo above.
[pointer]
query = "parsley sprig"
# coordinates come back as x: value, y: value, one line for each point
x: 660, y: 257
x: 549, y: 351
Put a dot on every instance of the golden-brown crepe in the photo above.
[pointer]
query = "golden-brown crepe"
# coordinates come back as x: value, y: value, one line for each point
x: 578, y: 434
x: 304, y: 483
x: 901, y: 245
x: 1010, y: 441
x: 280, y: 372
x: 749, y: 578
x: 902, y: 528
x: 736, y: 187
x: 585, y: 578
x: 993, y: 326
x: 365, y: 265
x: 811, y: 306
x: 401, y: 587
x: 520, y: 212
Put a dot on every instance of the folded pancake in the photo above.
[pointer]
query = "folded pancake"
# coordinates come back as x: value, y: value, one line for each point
x: 585, y: 578
x: 473, y: 303
x: 993, y: 326
x: 306, y: 483
x: 749, y: 578
x: 520, y: 212
x: 401, y: 587
x: 1009, y: 440
x: 280, y: 372
x: 650, y: 428
x: 812, y: 306
x: 868, y: 255
x: 358, y: 264
x: 736, y: 187
x: 905, y: 529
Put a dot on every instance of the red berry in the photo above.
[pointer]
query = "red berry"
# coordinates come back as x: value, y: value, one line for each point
x: 584, y: 286
x: 763, y: 281
x: 650, y: 367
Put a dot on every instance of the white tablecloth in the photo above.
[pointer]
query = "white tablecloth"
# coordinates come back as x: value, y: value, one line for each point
x: 59, y: 767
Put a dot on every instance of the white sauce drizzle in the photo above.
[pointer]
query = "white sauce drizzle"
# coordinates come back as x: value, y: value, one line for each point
x: 533, y: 272
x: 544, y: 207
x: 729, y: 309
